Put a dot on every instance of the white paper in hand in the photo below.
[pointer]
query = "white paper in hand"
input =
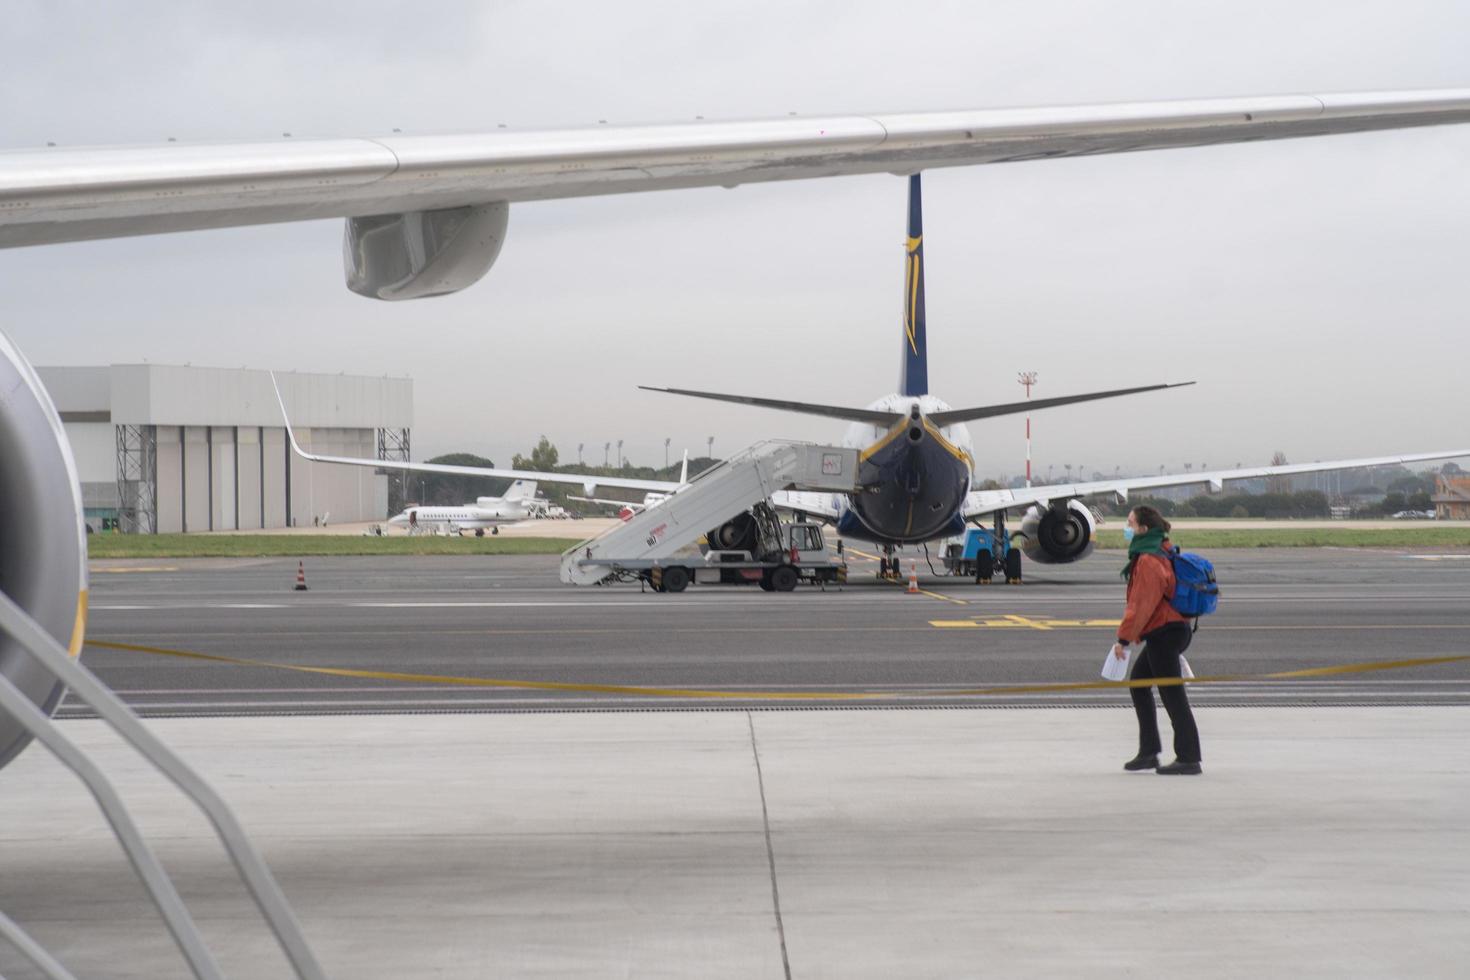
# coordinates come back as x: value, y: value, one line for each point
x: 1184, y: 669
x: 1115, y: 669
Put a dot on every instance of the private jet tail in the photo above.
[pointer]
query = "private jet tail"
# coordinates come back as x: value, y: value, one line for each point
x: 521, y: 490
x: 913, y: 376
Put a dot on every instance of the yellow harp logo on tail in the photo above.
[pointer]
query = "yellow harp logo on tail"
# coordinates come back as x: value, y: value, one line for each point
x: 915, y: 276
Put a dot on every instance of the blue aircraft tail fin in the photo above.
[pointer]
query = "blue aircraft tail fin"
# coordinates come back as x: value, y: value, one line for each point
x: 913, y: 378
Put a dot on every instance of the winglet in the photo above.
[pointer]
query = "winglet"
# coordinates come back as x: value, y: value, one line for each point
x: 290, y: 434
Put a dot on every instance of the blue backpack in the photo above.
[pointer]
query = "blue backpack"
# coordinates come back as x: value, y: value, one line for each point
x: 1195, y: 591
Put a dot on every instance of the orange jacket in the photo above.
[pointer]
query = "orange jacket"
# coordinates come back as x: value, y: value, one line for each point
x: 1149, y: 592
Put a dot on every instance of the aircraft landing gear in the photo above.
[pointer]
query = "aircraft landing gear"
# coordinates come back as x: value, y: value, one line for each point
x: 984, y: 566
x: 888, y: 565
x: 1013, y: 566
x: 479, y: 532
x: 495, y: 530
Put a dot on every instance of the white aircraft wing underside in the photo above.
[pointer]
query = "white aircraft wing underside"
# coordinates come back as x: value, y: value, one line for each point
x: 981, y: 502
x: 72, y: 194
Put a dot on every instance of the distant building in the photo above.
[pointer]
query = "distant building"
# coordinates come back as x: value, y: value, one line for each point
x: 1451, y: 497
x: 164, y: 448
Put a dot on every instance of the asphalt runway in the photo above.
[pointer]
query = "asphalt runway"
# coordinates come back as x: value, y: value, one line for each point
x: 509, y: 618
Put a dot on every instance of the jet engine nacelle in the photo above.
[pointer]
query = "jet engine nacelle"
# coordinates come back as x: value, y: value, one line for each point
x: 1058, y: 534
x: 423, y: 253
x: 43, y: 542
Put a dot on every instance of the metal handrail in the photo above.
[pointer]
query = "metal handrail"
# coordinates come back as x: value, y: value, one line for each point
x: 33, y: 951
x: 248, y: 863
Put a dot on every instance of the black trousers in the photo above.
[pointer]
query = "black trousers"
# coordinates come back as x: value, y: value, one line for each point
x: 1160, y: 658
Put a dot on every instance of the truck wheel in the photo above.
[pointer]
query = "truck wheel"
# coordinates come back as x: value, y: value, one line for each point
x: 1013, y: 566
x: 984, y: 567
x: 765, y: 583
x: 784, y: 578
x: 676, y: 578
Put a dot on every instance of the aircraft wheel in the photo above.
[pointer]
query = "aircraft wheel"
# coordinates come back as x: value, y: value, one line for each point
x: 1013, y: 566
x: 676, y: 578
x: 784, y: 578
x: 495, y: 530
x: 984, y: 567
x: 479, y: 532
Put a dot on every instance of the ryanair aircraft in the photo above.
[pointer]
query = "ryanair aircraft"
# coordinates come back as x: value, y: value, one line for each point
x: 916, y: 456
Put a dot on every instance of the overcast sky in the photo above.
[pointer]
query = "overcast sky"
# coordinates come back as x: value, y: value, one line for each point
x: 1317, y: 290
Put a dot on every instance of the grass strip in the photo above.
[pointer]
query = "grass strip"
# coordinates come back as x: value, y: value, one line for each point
x: 311, y: 545
x: 1201, y: 539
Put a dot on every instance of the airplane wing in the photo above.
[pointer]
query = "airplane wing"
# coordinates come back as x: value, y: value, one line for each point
x: 981, y: 502
x: 588, y: 481
x: 427, y: 214
x: 608, y: 502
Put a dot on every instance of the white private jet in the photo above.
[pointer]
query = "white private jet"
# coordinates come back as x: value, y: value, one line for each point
x: 427, y: 215
x: 518, y: 504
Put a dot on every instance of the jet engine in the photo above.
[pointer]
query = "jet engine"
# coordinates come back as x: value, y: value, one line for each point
x: 43, y: 546
x: 1057, y: 534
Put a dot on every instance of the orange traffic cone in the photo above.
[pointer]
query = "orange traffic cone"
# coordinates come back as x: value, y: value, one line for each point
x: 913, y: 577
x: 301, y: 576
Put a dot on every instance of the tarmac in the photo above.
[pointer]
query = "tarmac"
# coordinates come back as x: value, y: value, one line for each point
x: 507, y: 617
x: 427, y: 832
x: 1320, y: 842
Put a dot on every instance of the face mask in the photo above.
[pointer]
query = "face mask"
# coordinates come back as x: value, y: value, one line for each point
x: 1128, y: 534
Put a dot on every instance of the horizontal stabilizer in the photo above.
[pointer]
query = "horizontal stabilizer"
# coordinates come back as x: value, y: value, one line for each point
x: 871, y: 416
x: 957, y: 415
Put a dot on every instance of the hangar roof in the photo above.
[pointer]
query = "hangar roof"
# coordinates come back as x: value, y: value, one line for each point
x: 164, y: 394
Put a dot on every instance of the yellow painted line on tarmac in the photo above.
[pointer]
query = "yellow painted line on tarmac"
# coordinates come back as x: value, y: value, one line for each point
x: 696, y: 693
x: 1020, y: 622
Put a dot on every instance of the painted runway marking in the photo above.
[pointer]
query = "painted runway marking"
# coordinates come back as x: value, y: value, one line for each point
x: 1440, y: 557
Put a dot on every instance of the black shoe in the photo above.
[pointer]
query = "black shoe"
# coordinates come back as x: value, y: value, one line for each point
x: 1141, y: 762
x: 1177, y: 768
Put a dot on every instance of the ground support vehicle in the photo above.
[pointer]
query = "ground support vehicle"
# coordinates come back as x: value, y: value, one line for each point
x: 980, y: 552
x: 721, y: 527
x: 787, y: 555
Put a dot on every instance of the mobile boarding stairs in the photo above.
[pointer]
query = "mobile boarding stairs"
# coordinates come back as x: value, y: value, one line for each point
x: 669, y: 532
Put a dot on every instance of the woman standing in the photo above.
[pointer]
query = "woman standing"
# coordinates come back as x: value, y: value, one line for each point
x: 1165, y: 634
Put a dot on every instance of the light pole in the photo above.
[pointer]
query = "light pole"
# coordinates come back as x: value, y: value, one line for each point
x: 667, y: 440
x: 621, y: 461
x: 606, y: 446
x: 709, y: 449
x: 1027, y: 379
x: 579, y: 454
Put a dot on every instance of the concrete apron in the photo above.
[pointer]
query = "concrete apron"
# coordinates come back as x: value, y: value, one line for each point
x: 1319, y: 842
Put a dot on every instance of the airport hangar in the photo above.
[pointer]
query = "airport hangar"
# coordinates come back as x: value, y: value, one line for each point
x: 166, y: 448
